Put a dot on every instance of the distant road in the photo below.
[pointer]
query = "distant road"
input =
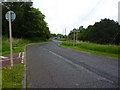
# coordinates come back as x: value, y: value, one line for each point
x: 53, y: 66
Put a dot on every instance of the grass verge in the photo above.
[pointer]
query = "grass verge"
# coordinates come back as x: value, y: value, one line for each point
x: 18, y: 44
x: 12, y: 76
x: 106, y: 50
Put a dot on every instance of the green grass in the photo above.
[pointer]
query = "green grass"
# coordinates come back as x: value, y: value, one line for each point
x: 18, y: 44
x: 0, y: 78
x: 107, y: 50
x: 12, y: 76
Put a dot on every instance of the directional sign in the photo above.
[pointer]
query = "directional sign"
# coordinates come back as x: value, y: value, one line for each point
x: 12, y: 14
x: 75, y: 31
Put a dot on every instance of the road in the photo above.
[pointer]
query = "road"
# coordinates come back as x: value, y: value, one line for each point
x: 53, y: 66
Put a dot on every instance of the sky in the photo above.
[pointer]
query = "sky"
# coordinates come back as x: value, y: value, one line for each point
x: 69, y: 14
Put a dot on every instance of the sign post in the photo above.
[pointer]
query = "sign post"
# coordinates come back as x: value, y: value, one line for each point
x: 77, y: 35
x: 10, y: 16
x: 75, y: 40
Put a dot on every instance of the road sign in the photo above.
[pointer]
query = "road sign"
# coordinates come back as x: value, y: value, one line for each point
x: 12, y: 14
x: 75, y: 31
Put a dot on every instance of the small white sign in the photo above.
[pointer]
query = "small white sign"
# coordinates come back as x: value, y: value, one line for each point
x: 75, y: 31
x: 12, y: 14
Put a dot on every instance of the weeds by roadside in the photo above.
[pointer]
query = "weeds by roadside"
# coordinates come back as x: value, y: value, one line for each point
x: 107, y: 50
x: 12, y: 76
x: 18, y: 44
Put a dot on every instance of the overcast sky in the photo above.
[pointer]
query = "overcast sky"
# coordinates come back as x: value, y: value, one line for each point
x: 69, y: 14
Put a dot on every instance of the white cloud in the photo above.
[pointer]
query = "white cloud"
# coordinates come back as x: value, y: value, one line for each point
x: 61, y: 14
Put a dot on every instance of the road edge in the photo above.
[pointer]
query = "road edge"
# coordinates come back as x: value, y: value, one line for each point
x: 90, y: 52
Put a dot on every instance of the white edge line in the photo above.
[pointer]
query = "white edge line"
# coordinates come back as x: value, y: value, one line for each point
x: 81, y: 67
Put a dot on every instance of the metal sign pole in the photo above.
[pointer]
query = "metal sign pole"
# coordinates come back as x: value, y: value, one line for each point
x: 10, y: 32
x: 65, y: 33
x: 74, y: 37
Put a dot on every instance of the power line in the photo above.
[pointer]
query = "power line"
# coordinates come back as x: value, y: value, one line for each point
x: 92, y: 11
x: 115, y: 36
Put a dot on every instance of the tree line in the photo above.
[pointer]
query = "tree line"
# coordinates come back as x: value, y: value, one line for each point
x: 57, y: 35
x: 29, y: 22
x: 104, y: 32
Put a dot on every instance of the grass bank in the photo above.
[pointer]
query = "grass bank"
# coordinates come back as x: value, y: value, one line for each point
x: 107, y: 50
x: 18, y: 44
x: 12, y: 76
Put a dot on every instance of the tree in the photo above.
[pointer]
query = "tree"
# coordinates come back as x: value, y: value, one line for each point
x: 29, y: 22
x: 104, y: 32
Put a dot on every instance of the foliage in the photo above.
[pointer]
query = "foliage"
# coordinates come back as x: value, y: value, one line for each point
x: 53, y: 35
x: 18, y: 44
x: 104, y: 32
x: 58, y: 36
x: 29, y: 22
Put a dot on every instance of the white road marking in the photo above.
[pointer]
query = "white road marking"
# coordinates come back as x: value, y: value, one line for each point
x: 22, y: 57
x: 7, y: 59
x: 19, y: 55
x: 82, y: 68
x: 3, y: 57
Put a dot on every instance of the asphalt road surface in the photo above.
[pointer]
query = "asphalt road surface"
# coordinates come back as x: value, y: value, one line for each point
x: 53, y: 66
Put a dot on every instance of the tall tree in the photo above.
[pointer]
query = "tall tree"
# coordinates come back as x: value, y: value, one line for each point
x: 29, y: 22
x: 104, y: 32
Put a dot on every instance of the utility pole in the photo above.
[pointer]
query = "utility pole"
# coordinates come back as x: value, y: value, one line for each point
x: 76, y: 36
x: 74, y: 39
